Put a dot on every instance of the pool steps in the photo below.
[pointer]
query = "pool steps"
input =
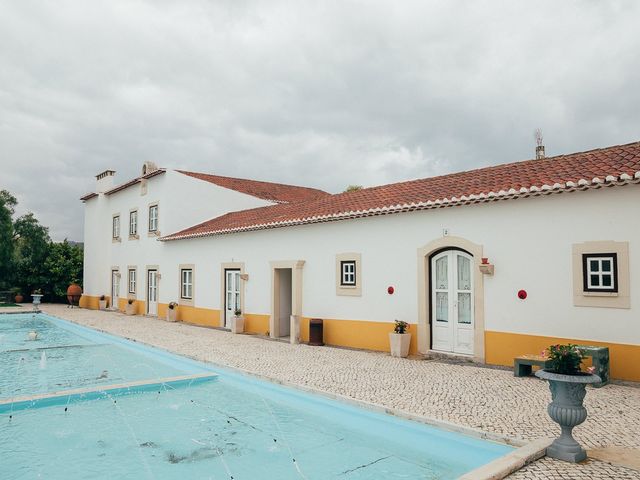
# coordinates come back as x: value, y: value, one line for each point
x: 64, y: 397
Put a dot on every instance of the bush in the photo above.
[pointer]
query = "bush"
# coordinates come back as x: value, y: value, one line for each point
x: 565, y: 359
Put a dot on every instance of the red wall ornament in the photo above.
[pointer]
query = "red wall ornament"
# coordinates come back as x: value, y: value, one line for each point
x: 522, y: 294
x: 390, y: 290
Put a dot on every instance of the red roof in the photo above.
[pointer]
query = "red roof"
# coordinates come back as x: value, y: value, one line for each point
x: 275, y: 192
x: 578, y: 171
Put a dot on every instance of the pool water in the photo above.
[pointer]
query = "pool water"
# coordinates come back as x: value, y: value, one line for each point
x: 234, y: 428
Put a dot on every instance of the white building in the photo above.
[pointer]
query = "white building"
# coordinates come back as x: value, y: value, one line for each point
x: 490, y: 263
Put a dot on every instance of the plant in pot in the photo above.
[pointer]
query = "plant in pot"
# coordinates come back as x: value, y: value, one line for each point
x: 400, y: 339
x: 130, y: 307
x: 102, y: 302
x: 18, y: 298
x: 37, y: 297
x: 237, y: 322
x: 172, y: 312
x: 568, y: 389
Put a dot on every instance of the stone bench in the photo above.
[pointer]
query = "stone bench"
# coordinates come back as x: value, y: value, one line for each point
x: 599, y: 360
x: 523, y: 364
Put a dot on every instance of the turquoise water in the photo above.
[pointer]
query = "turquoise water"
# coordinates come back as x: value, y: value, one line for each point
x: 236, y: 427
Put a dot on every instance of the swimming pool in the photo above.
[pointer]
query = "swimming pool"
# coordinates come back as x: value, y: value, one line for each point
x: 233, y: 427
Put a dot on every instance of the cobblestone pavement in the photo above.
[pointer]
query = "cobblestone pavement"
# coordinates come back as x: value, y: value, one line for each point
x: 492, y: 400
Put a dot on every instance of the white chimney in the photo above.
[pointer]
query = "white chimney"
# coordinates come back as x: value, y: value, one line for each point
x: 104, y: 181
x: 539, y: 144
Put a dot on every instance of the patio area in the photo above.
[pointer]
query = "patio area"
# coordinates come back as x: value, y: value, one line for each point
x: 481, y: 398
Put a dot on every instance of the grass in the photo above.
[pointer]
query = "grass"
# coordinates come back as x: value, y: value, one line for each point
x: 9, y: 305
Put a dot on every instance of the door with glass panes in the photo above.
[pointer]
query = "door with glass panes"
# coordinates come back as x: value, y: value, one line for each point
x: 452, y: 322
x: 232, y: 297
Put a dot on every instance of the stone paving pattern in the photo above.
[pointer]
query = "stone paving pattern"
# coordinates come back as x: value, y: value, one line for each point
x: 489, y: 399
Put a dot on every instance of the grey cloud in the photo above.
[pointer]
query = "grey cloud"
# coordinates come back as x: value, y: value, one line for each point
x: 316, y: 93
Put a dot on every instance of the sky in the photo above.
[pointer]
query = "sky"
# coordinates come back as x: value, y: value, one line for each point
x: 323, y: 94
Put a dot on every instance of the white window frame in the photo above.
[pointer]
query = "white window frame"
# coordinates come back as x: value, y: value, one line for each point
x: 153, y: 219
x: 133, y: 223
x: 186, y: 283
x: 115, y: 227
x: 348, y: 273
x: 132, y: 280
x: 589, y: 273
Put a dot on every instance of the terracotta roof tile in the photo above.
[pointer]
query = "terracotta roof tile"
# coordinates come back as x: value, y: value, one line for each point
x: 275, y: 192
x: 612, y: 165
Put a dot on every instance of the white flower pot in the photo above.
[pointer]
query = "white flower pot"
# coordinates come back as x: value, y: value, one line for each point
x: 130, y: 308
x: 102, y: 304
x: 237, y: 324
x: 172, y: 314
x: 399, y: 343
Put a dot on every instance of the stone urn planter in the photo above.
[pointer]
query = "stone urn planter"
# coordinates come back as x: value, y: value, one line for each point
x: 172, y: 312
x: 400, y: 340
x: 37, y: 297
x: 130, y: 307
x: 567, y: 410
x: 237, y: 324
x: 102, y: 303
x: 19, y: 298
x: 74, y: 292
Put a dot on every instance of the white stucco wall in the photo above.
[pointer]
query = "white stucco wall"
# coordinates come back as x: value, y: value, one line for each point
x: 182, y: 201
x: 528, y: 240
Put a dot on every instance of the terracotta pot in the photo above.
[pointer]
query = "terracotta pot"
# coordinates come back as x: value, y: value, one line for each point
x: 74, y: 292
x: 19, y: 298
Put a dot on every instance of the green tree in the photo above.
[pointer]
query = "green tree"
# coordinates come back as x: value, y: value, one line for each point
x: 7, y: 205
x: 353, y: 188
x: 31, y: 251
x: 63, y: 266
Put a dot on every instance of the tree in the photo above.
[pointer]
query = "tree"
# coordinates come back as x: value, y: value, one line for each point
x: 31, y: 251
x: 7, y: 204
x: 353, y: 188
x: 63, y: 266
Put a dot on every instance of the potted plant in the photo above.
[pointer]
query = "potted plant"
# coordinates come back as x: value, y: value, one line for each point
x: 400, y: 339
x: 172, y: 312
x: 568, y: 389
x: 102, y: 302
x: 130, y: 307
x: 37, y: 297
x: 237, y: 322
x: 17, y: 295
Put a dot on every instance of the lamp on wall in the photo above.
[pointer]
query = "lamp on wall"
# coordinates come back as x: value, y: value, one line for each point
x: 244, y: 276
x: 485, y: 267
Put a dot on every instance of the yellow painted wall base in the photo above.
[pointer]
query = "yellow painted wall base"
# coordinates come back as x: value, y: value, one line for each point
x: 256, y: 323
x: 358, y: 334
x: 205, y: 317
x: 502, y: 347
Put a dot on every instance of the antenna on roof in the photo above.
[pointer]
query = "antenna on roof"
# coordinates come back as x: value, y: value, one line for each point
x: 539, y: 144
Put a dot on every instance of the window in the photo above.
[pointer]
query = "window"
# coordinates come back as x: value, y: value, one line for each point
x: 132, y: 280
x: 116, y: 227
x: 349, y: 274
x: 348, y: 269
x: 153, y: 218
x: 186, y: 276
x: 133, y: 223
x: 600, y: 272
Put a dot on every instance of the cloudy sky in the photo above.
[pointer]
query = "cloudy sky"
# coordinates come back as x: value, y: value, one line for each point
x: 323, y: 94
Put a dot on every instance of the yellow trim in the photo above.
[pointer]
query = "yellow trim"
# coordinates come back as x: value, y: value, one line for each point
x: 361, y: 334
x: 198, y: 316
x: 502, y: 347
x: 256, y: 323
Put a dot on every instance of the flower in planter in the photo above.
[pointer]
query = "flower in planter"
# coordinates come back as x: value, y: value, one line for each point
x: 565, y: 359
x: 237, y: 312
x: 130, y: 301
x: 173, y: 305
x: 401, y: 327
x: 102, y: 297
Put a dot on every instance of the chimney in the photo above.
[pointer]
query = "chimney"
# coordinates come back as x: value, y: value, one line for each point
x: 539, y: 144
x: 104, y: 181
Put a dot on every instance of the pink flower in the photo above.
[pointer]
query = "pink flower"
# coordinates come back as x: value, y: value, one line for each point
x: 591, y: 369
x: 543, y: 353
